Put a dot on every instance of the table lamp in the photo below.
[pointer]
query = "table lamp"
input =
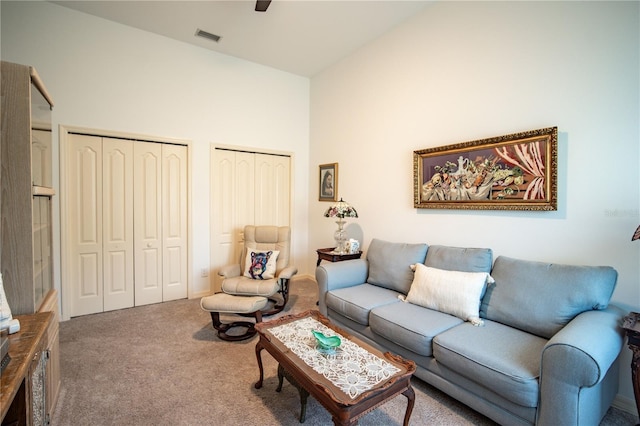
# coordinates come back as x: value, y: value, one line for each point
x: 341, y: 209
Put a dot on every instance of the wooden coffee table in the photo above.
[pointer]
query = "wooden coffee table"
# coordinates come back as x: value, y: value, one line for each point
x: 343, y: 388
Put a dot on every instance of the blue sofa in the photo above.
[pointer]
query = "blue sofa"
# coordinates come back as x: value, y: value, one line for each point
x: 519, y: 341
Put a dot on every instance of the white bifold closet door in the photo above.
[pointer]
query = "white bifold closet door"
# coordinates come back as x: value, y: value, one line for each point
x: 127, y: 216
x: 248, y: 189
x: 160, y: 186
x: 117, y: 224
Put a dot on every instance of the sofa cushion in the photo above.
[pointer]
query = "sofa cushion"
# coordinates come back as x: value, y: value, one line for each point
x: 499, y: 357
x: 356, y: 302
x: 389, y: 263
x: 459, y: 258
x: 541, y: 298
x: 410, y: 326
x: 452, y: 292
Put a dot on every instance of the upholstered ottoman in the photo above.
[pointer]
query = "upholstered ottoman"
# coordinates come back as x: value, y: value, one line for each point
x: 229, y: 304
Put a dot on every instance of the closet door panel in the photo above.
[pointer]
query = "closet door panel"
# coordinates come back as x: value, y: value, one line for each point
x: 282, y: 190
x: 272, y: 190
x: 118, y: 223
x: 264, y: 190
x: 224, y: 194
x: 244, y: 185
x: 85, y: 224
x: 223, y: 166
x: 174, y: 215
x: 233, y: 185
x: 243, y: 202
x: 148, y: 222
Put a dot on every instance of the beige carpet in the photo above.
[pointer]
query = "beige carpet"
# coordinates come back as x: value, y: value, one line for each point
x: 164, y: 365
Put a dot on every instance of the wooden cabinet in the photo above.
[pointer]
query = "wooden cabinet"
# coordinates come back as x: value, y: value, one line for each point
x: 26, y: 255
x: 24, y: 392
x: 26, y: 203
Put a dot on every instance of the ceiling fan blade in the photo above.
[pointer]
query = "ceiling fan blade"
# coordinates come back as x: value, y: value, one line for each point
x: 262, y: 5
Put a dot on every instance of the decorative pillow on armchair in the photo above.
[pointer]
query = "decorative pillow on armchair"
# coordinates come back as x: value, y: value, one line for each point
x: 452, y: 292
x: 261, y: 265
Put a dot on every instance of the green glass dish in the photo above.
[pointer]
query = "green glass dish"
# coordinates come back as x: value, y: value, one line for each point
x: 326, y: 343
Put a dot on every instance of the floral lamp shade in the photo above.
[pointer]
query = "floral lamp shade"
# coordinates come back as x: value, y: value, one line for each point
x: 636, y: 235
x: 341, y: 209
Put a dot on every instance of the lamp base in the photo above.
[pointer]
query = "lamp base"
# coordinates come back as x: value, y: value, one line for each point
x: 341, y: 238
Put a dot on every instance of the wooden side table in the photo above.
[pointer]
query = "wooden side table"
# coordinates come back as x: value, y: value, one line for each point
x: 631, y: 325
x: 331, y: 256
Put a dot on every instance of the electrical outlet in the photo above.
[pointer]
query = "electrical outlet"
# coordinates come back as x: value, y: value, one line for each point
x: 204, y: 272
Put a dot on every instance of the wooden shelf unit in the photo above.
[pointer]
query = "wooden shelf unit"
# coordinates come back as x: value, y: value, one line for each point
x: 26, y: 184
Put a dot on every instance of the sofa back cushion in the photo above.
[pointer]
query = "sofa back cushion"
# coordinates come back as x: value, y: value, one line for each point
x: 459, y: 258
x: 390, y: 264
x: 541, y: 298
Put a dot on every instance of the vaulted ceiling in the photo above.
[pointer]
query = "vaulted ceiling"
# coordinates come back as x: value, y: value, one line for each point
x: 302, y: 37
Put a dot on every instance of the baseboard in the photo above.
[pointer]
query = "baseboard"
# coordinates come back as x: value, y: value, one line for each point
x: 199, y: 295
x: 625, y: 404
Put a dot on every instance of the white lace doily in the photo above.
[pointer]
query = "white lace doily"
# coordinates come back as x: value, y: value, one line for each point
x: 351, y: 368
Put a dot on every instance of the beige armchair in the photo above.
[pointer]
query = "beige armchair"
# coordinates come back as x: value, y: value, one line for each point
x: 248, y: 287
x: 262, y: 241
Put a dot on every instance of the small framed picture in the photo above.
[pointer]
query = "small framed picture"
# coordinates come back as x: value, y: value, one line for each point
x: 328, y: 183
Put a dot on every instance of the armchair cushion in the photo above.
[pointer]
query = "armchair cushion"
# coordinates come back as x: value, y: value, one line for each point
x: 260, y: 264
x: 243, y: 286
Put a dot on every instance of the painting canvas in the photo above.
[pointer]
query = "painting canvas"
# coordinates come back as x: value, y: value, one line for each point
x: 511, y: 172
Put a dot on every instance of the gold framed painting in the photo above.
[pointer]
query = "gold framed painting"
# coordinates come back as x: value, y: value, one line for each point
x: 328, y: 183
x: 510, y: 172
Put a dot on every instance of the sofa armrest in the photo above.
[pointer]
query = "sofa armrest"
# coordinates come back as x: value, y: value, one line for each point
x: 578, y: 356
x: 334, y: 275
x: 230, y: 271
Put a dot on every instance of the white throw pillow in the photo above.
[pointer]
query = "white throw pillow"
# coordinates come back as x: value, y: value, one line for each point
x: 452, y: 292
x: 260, y: 264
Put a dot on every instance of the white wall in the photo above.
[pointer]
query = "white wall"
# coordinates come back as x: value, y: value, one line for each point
x: 108, y: 76
x: 464, y: 71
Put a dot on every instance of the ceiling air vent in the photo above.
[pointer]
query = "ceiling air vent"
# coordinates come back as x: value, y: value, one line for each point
x: 208, y: 36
